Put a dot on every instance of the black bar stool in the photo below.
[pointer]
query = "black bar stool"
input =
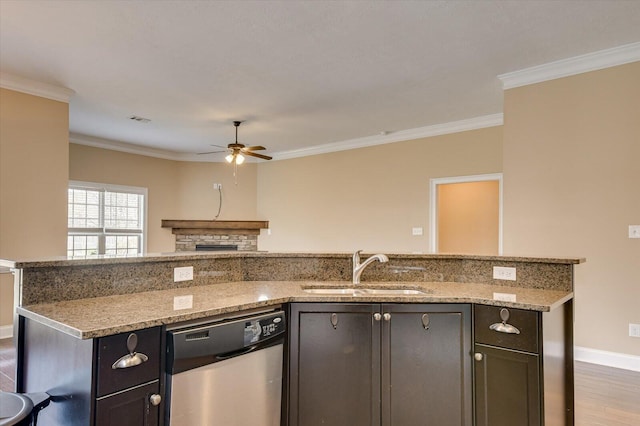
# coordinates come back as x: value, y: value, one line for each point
x: 21, y: 409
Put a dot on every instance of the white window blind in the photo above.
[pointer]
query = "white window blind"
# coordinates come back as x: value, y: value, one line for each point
x: 105, y: 219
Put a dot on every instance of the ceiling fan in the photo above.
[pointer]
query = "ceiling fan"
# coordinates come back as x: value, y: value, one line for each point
x: 237, y: 151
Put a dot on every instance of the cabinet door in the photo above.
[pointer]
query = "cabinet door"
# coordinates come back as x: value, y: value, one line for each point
x: 507, y: 387
x: 129, y: 408
x: 334, y: 365
x: 426, y: 365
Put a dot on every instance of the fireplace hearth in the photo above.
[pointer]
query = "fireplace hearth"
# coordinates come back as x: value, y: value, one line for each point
x: 215, y: 235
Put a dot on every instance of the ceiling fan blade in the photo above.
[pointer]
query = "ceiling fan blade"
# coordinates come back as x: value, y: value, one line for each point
x: 211, y: 152
x: 218, y: 146
x: 253, y: 148
x: 253, y: 154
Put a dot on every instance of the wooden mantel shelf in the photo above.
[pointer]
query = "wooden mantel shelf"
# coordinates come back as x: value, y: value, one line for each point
x: 215, y: 227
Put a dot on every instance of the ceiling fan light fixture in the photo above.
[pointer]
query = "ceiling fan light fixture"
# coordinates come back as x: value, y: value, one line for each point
x: 229, y: 158
x: 239, y: 159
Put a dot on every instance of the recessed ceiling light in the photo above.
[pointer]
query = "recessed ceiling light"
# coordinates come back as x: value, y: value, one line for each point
x: 139, y: 119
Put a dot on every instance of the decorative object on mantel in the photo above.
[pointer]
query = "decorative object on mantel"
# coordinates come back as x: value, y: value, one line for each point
x: 236, y: 151
x: 195, y: 235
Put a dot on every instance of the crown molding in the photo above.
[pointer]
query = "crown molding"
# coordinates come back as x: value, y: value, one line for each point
x: 129, y: 148
x: 36, y: 88
x: 399, y: 136
x: 571, y: 66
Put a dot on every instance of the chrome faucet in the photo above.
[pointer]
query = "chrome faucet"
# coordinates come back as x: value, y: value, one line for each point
x: 359, y: 267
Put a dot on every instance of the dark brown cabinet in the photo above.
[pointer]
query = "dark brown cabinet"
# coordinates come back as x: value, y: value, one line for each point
x: 523, y: 371
x: 85, y: 387
x: 507, y: 387
x: 128, y: 385
x: 380, y: 364
x: 132, y: 407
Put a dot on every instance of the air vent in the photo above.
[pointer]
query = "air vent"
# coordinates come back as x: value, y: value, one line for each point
x: 139, y: 119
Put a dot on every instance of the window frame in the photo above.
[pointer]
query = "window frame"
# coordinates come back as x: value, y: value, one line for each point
x: 104, y: 231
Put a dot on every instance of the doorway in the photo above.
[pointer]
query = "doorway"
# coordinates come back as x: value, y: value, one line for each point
x: 466, y: 215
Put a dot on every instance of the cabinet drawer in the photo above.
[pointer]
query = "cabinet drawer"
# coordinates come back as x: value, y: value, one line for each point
x: 112, y: 348
x: 525, y: 321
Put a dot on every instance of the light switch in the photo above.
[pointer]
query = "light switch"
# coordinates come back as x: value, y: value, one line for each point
x: 634, y: 231
x: 416, y: 231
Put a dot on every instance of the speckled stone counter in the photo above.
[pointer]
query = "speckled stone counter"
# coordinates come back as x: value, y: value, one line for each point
x: 101, y: 316
x: 95, y: 297
x: 53, y: 280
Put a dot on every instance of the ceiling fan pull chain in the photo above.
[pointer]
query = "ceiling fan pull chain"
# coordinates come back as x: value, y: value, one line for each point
x: 235, y: 172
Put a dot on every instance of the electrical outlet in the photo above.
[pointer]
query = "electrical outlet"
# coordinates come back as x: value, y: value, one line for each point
x: 634, y: 231
x: 634, y: 330
x: 504, y: 273
x: 183, y: 302
x: 416, y: 231
x: 184, y: 273
x: 217, y: 186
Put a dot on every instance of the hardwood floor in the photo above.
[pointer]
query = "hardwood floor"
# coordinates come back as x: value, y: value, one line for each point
x: 605, y: 396
x: 7, y: 365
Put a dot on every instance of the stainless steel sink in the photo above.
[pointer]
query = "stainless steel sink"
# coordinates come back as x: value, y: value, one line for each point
x: 364, y: 291
x: 394, y: 291
x: 347, y: 291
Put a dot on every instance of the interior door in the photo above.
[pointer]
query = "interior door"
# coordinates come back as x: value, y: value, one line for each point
x: 466, y: 215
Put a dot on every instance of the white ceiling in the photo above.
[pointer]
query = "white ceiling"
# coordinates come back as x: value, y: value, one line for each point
x: 302, y: 74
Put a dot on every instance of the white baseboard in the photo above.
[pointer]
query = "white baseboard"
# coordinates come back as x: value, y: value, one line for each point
x: 610, y: 359
x: 6, y: 331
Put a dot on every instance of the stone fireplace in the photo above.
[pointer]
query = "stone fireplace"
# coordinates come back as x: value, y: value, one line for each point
x: 216, y: 235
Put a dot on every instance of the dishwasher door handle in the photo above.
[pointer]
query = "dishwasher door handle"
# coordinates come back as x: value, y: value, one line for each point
x: 232, y: 354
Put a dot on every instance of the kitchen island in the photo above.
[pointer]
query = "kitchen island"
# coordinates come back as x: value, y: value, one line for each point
x: 91, y: 300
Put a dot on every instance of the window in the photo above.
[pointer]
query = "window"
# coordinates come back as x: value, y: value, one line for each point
x: 105, y: 219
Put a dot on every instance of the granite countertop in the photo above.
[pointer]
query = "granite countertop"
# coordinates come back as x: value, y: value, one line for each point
x: 103, y: 316
x: 186, y: 256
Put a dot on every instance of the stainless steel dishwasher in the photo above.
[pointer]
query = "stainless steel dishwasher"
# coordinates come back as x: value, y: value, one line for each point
x: 227, y: 372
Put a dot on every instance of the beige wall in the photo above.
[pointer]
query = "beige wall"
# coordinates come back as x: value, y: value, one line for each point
x: 367, y: 198
x: 176, y: 190
x: 198, y: 199
x: 34, y: 160
x: 572, y: 187
x: 160, y: 177
x: 468, y: 217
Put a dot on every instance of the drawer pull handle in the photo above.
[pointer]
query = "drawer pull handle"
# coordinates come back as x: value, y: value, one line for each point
x: 133, y: 358
x: 504, y: 327
x: 425, y: 321
x: 334, y: 321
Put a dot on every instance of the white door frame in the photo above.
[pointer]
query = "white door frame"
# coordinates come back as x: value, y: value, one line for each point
x: 433, y: 204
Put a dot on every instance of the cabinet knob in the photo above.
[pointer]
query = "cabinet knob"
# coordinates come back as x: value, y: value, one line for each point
x: 478, y: 356
x: 155, y: 399
x: 377, y: 316
x: 386, y: 316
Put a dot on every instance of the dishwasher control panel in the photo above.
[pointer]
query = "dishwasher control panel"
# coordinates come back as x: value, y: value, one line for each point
x: 201, y: 344
x: 259, y: 329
